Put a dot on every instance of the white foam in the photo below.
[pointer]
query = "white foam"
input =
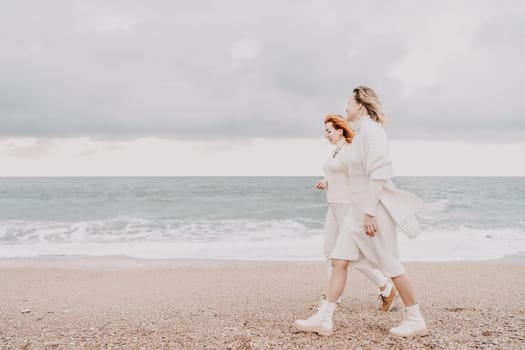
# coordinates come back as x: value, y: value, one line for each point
x: 272, y: 240
x: 462, y: 243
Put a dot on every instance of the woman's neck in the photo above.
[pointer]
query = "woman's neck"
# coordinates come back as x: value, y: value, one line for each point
x: 361, y: 116
x: 356, y: 125
x: 341, y: 142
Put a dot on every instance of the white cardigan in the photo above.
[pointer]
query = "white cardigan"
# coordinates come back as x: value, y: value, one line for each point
x: 377, y: 165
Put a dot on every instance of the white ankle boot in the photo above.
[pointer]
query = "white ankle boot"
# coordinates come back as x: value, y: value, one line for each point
x: 321, y: 321
x: 413, y: 324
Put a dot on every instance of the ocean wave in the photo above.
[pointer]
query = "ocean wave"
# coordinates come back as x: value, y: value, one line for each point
x: 124, y: 229
x: 295, y: 239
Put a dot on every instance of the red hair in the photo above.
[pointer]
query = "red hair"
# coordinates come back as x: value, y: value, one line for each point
x: 339, y: 123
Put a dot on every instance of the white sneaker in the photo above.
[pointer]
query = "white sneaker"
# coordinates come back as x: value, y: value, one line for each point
x: 410, y: 327
x: 321, y: 322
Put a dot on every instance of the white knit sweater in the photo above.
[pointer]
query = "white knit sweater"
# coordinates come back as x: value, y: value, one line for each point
x: 336, y: 176
x: 377, y: 165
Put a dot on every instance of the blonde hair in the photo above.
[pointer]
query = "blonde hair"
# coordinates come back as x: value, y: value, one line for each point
x: 339, y: 123
x: 368, y: 98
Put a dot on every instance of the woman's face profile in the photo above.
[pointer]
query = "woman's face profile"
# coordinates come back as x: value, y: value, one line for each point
x: 331, y: 133
x: 352, y: 110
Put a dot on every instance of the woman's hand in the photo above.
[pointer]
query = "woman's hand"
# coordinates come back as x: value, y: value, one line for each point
x: 321, y: 185
x: 369, y: 225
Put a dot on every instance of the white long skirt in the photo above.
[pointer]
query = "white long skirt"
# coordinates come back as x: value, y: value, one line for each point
x: 334, y: 219
x: 381, y: 250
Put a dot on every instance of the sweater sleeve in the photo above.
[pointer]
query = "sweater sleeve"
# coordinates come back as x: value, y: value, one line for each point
x: 377, y: 163
x: 374, y: 191
x: 378, y: 167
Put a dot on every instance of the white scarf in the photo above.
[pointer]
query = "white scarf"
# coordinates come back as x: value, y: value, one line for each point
x: 405, y: 208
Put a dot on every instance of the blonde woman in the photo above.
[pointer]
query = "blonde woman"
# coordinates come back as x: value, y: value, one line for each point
x: 338, y: 196
x: 369, y: 228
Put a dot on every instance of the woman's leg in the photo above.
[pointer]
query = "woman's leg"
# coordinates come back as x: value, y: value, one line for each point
x: 371, y: 273
x: 337, y: 283
x: 387, y: 292
x: 406, y: 289
x: 321, y: 322
x: 414, y: 324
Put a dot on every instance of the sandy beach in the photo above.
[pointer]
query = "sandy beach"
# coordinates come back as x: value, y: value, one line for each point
x: 234, y: 305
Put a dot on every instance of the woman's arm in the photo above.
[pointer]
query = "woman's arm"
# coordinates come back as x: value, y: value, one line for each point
x: 378, y: 167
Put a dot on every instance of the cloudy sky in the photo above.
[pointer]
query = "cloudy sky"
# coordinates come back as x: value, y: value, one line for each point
x: 241, y: 87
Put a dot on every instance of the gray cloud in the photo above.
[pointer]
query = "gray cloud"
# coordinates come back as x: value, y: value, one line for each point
x: 237, y: 69
x: 41, y: 147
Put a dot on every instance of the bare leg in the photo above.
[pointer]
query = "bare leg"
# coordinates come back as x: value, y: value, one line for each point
x: 321, y: 322
x: 414, y: 324
x: 337, y: 282
x: 405, y: 289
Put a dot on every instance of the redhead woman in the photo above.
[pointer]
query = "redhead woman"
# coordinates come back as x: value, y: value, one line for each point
x: 369, y: 228
x: 338, y: 196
